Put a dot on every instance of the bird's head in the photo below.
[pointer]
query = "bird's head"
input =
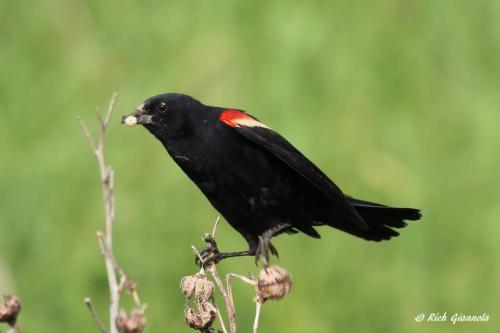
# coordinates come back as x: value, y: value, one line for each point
x: 165, y: 115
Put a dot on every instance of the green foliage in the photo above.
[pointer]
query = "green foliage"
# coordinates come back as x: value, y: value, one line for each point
x: 396, y: 100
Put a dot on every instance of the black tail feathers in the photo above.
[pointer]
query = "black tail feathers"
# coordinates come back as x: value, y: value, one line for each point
x: 380, y: 220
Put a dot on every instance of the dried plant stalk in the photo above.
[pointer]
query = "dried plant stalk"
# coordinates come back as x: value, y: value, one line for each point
x: 117, y: 279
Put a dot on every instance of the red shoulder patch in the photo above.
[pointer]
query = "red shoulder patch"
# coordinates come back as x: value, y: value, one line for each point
x: 235, y: 118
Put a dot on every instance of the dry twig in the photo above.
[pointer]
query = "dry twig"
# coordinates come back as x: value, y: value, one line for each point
x: 94, y: 314
x: 258, y: 305
x: 227, y: 297
x: 105, y: 239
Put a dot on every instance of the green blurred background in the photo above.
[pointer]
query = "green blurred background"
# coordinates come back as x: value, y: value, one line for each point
x: 398, y: 101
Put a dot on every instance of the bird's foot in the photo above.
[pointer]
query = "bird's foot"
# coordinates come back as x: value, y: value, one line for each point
x: 211, y: 253
x: 264, y: 248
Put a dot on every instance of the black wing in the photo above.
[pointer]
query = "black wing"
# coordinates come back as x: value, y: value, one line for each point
x: 276, y: 144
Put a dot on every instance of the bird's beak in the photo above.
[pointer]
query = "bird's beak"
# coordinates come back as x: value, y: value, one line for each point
x: 137, y: 117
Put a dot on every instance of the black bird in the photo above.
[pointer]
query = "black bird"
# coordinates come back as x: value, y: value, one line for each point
x: 259, y: 182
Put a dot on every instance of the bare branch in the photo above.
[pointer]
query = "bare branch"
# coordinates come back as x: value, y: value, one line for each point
x: 99, y: 117
x: 111, y: 107
x: 125, y: 281
x: 197, y: 253
x: 219, y: 315
x: 249, y: 280
x: 94, y: 314
x: 106, y: 239
x: 228, y: 301
x: 215, y: 226
x: 258, y: 305
x: 87, y: 134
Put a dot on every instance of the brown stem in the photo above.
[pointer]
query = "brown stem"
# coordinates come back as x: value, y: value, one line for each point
x: 94, y: 314
x: 106, y: 239
x: 258, y: 305
x: 226, y: 297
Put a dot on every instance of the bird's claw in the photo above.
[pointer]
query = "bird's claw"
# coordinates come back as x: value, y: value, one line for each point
x: 210, y: 241
x: 263, y: 249
x: 208, y: 258
x: 210, y: 254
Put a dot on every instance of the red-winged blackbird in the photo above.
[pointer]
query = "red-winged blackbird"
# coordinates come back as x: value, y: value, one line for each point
x: 261, y: 184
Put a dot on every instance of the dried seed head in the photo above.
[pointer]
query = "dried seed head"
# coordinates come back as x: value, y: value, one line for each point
x: 198, y: 285
x: 274, y: 282
x: 201, y: 319
x: 10, y: 309
x: 134, y: 323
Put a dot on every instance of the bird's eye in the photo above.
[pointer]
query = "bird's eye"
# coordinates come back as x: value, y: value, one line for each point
x: 162, y: 106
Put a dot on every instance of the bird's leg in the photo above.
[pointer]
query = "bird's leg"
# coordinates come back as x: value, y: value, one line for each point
x: 211, y: 254
x: 265, y: 247
x: 216, y: 257
x: 225, y: 255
